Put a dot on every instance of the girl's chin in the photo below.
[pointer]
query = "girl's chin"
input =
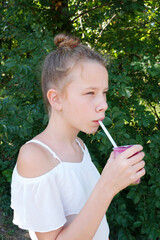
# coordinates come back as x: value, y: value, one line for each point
x: 91, y: 131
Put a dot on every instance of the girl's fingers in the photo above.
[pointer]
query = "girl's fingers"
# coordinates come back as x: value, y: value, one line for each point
x: 111, y: 158
x: 131, y: 151
x: 140, y: 173
x: 137, y: 167
x: 136, y: 158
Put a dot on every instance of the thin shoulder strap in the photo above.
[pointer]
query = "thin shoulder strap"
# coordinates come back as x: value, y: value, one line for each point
x: 45, y: 146
x: 80, y: 145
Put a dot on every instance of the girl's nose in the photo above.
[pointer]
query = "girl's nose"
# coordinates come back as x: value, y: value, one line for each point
x: 102, y: 107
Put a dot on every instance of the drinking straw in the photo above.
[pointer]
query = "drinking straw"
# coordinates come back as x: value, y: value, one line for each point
x: 108, y: 134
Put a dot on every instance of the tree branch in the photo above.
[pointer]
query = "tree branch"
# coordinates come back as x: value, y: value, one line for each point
x: 153, y: 109
x: 156, y: 114
x: 108, y: 22
x: 156, y: 20
x: 89, y: 10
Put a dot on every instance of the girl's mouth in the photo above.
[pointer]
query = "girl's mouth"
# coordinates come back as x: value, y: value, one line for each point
x: 97, y: 121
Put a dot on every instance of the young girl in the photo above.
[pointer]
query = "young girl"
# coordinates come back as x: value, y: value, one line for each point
x: 57, y: 193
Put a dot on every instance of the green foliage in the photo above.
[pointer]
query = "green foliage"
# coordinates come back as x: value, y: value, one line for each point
x: 127, y: 34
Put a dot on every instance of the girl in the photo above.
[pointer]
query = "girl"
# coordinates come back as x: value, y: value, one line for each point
x: 57, y: 193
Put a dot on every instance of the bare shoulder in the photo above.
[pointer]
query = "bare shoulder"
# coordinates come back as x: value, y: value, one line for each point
x: 34, y: 160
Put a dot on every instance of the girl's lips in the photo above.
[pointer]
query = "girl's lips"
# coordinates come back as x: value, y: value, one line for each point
x: 97, y: 121
x: 101, y: 119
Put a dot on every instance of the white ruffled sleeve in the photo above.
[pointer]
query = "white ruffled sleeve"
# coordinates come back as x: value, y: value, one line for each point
x: 37, y: 203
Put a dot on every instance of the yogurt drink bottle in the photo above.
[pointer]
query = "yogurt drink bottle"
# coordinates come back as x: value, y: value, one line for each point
x: 118, y: 150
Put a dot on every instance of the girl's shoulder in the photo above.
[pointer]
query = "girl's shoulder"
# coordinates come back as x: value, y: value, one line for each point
x: 34, y: 160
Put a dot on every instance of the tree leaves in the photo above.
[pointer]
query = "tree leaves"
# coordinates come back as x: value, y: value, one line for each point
x: 127, y: 34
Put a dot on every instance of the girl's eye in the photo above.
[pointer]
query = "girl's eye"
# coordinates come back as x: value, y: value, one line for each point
x: 90, y: 93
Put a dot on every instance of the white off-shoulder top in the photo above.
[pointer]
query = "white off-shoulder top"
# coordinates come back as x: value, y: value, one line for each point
x: 41, y: 204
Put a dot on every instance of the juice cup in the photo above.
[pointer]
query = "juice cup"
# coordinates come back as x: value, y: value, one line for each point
x: 118, y: 150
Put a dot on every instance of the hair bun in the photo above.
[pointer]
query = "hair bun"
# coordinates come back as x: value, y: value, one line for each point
x: 65, y: 40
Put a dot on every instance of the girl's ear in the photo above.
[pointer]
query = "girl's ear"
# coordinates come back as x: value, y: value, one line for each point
x: 54, y: 98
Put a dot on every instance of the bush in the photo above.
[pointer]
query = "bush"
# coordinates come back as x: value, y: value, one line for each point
x: 129, y: 33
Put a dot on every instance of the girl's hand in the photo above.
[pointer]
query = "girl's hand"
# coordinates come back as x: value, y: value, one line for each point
x: 125, y: 169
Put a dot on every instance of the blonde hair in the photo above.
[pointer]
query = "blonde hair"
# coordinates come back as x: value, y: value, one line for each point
x: 59, y: 63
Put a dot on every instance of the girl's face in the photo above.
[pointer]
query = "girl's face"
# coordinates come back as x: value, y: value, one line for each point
x: 85, y: 97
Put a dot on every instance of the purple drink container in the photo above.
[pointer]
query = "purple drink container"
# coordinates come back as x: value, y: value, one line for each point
x: 118, y: 150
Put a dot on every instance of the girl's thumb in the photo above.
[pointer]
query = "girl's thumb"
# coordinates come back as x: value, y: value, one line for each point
x: 111, y: 158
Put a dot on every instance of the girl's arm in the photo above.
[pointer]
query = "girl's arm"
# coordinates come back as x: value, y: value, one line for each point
x: 117, y: 174
x: 86, y: 223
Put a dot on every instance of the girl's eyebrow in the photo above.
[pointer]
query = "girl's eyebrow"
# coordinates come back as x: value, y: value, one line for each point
x: 94, y: 88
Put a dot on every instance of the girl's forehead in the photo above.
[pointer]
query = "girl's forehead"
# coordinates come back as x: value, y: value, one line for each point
x: 89, y: 73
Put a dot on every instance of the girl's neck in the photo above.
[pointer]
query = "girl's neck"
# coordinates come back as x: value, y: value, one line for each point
x: 62, y: 139
x: 59, y: 130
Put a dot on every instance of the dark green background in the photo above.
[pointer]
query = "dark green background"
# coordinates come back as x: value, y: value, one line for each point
x: 127, y: 33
